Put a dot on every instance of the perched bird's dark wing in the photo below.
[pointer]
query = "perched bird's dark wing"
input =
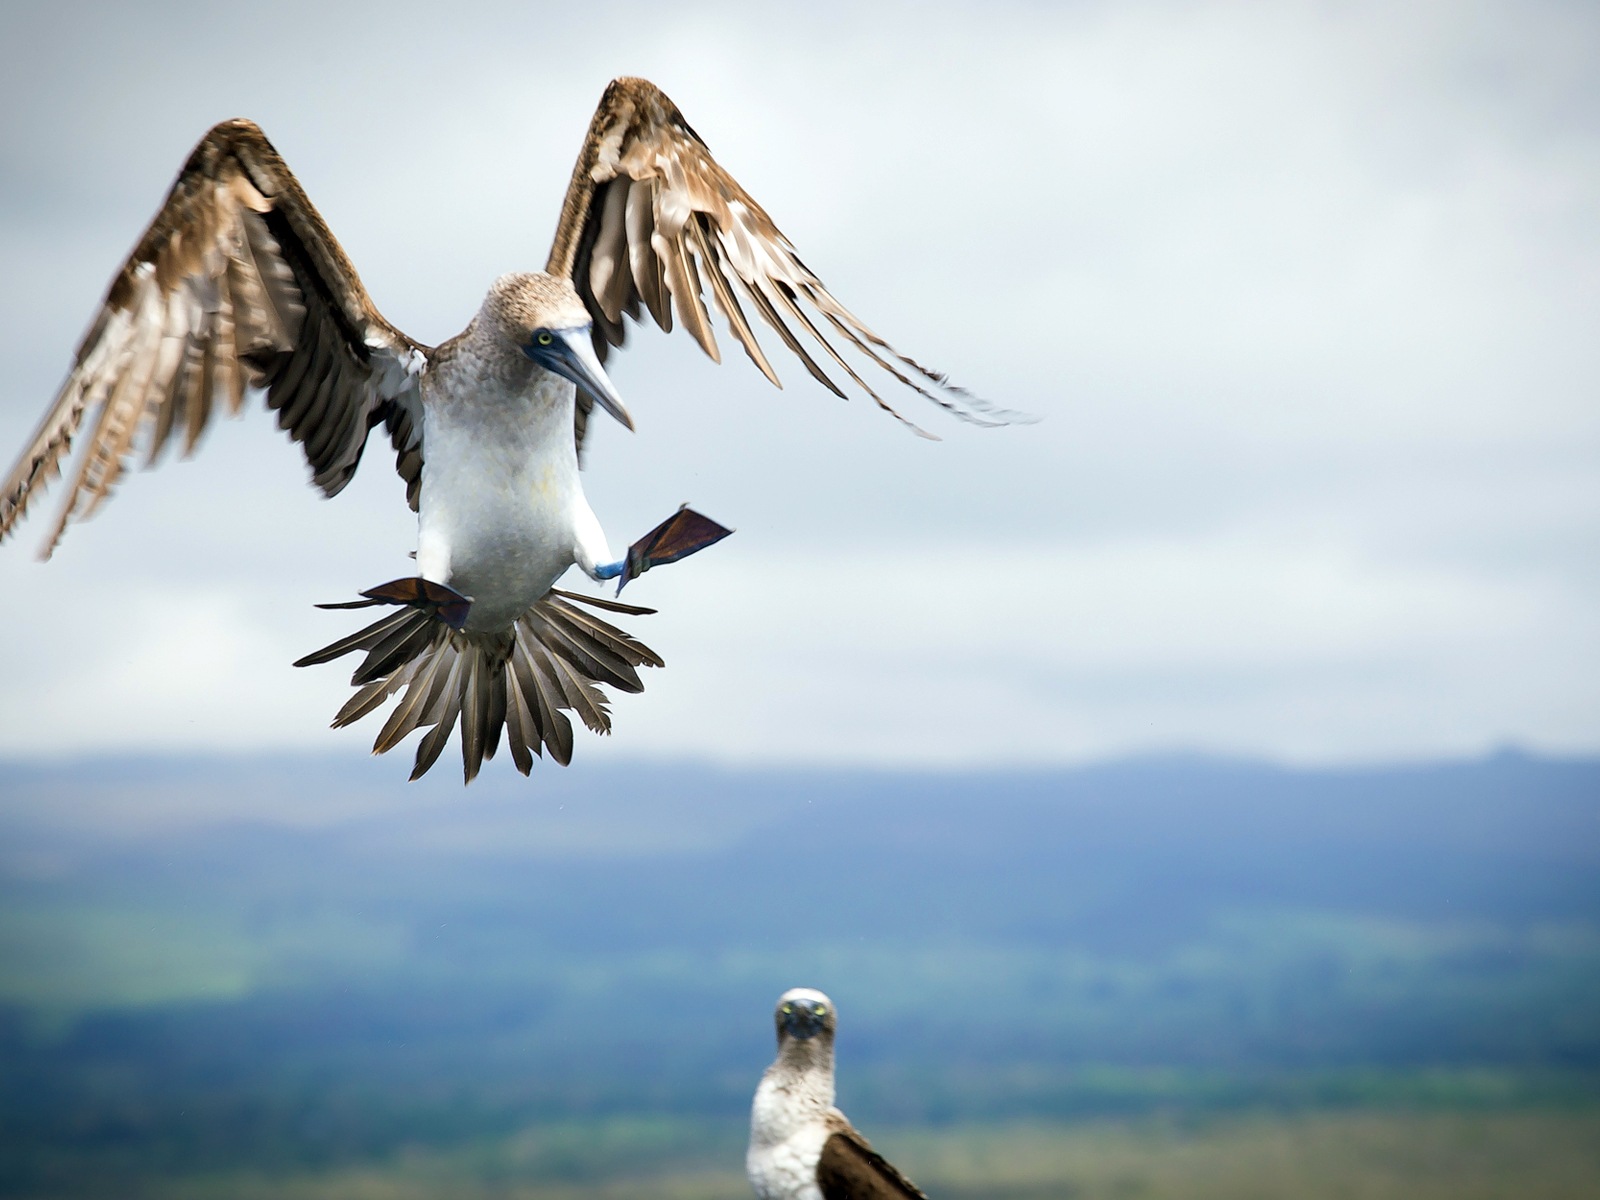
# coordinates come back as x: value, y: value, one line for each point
x: 237, y: 282
x: 850, y: 1169
x: 650, y: 219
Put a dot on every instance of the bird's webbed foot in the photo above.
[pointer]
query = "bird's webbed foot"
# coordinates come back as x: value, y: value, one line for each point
x: 680, y: 535
x: 449, y: 605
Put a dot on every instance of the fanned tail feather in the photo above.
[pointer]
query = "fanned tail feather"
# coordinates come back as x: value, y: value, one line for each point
x: 517, y: 685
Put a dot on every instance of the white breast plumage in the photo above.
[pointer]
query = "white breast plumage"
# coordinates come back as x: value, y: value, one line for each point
x: 784, y: 1149
x: 502, y: 509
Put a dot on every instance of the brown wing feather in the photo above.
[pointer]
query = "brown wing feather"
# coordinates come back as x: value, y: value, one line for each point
x: 850, y: 1169
x: 237, y: 281
x: 649, y: 214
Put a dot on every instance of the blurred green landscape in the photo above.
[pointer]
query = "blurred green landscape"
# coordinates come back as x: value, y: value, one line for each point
x: 1162, y: 978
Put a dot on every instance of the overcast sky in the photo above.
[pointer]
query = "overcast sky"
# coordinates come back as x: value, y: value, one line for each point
x: 1307, y: 296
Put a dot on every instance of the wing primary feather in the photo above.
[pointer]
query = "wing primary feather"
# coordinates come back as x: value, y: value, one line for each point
x: 646, y: 267
x: 203, y: 396
x: 955, y: 410
x: 246, y: 300
x: 348, y: 440
x: 80, y: 476
x: 183, y: 381
x: 971, y: 408
x: 408, y: 453
x: 781, y: 292
x: 610, y: 273
x: 123, y: 412
x: 227, y: 371
x: 727, y: 301
x: 337, y: 410
x: 199, y: 366
x: 318, y: 423
x: 174, y: 397
x: 285, y: 301
x: 769, y: 314
x: 292, y: 391
x: 235, y: 383
x: 684, y: 283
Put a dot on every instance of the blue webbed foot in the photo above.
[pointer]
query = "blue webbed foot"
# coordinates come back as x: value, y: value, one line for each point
x: 448, y: 605
x: 680, y: 535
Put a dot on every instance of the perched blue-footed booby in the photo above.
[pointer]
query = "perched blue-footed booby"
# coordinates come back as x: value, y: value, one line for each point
x: 801, y: 1146
x: 237, y: 284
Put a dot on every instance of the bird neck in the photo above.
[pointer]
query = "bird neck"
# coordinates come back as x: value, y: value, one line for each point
x: 496, y: 356
x: 484, y: 369
x: 805, y: 1069
x: 795, y: 1094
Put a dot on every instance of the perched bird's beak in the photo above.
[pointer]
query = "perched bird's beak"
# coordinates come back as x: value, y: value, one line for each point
x: 803, y: 1019
x: 571, y: 354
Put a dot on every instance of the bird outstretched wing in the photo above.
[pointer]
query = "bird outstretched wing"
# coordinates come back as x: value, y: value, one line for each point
x: 650, y: 221
x: 236, y: 283
x: 850, y: 1169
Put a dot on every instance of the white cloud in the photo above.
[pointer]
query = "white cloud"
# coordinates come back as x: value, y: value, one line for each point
x: 1306, y: 294
x: 1249, y: 643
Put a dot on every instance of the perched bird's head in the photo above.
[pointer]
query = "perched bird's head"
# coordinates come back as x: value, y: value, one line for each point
x: 544, y: 317
x: 803, y: 1014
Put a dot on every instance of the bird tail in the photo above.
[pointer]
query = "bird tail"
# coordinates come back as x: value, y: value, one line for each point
x: 518, y: 681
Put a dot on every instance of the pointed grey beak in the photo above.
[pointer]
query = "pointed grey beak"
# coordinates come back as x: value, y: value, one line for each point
x: 571, y: 354
x: 803, y: 1019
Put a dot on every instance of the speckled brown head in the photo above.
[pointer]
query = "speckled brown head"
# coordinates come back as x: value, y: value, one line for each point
x: 522, y: 302
x: 543, y: 316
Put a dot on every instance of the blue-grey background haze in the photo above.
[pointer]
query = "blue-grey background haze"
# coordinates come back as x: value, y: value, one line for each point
x: 438, y: 993
x: 1305, y: 294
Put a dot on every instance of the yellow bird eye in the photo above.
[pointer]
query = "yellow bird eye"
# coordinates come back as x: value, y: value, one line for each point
x: 822, y: 1010
x: 544, y: 338
x: 788, y: 1009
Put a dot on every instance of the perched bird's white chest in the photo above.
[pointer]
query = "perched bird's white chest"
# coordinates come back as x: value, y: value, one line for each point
x: 788, y: 1126
x: 502, y: 510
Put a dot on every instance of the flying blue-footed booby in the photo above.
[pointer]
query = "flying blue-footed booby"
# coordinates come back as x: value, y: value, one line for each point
x: 238, y: 284
x: 801, y: 1146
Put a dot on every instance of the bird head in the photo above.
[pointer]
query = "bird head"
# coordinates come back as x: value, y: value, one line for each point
x: 546, y: 320
x: 804, y: 1013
